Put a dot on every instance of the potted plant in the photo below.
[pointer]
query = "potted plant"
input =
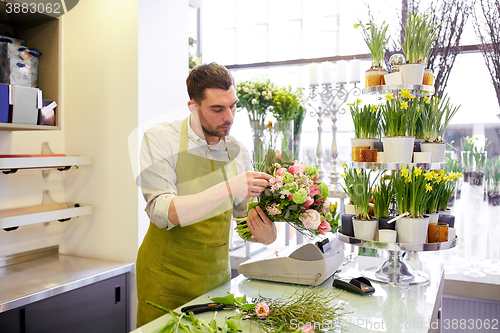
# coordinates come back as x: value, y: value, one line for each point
x: 398, y: 148
x: 412, y: 191
x: 366, y: 121
x: 256, y: 96
x: 494, y: 193
x: 382, y: 198
x: 416, y: 46
x: 437, y: 181
x: 376, y: 39
x: 452, y: 167
x: 285, y: 107
x: 358, y: 186
x: 467, y: 146
x: 476, y: 176
x: 436, y: 116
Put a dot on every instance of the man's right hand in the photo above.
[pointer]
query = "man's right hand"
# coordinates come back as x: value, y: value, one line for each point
x: 249, y: 184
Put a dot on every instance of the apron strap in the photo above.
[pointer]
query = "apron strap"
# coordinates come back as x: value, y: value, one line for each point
x: 184, y: 136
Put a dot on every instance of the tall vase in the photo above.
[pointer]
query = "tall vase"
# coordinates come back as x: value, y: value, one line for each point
x: 261, y: 141
x: 296, y: 147
x: 283, y: 137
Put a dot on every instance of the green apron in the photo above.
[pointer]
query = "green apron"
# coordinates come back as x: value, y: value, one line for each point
x: 175, y: 266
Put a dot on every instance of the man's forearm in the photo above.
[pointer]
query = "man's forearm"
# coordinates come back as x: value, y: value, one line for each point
x: 187, y: 208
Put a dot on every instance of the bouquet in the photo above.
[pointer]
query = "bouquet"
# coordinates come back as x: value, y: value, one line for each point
x: 296, y: 196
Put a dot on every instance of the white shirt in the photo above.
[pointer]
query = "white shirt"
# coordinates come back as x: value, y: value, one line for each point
x: 158, y: 158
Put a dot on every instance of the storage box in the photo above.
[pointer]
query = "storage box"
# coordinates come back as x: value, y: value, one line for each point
x: 25, y: 105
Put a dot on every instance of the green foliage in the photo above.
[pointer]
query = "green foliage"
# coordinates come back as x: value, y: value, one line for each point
x: 382, y: 196
x: 286, y: 104
x: 359, y: 186
x: 366, y: 119
x: 376, y: 40
x: 419, y: 36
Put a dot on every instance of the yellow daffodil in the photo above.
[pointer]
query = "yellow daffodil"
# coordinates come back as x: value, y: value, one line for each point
x: 408, y: 180
x: 428, y: 175
x: 373, y: 108
x: 389, y: 96
x: 404, y: 172
x: 404, y: 105
x: 358, y: 101
x: 411, y: 97
x: 342, y: 175
x: 405, y: 93
x: 356, y: 25
x: 439, y: 179
x: 418, y: 171
x: 427, y: 100
x: 428, y: 188
x: 344, y: 165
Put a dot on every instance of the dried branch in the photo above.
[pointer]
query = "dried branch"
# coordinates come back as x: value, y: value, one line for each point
x: 488, y: 31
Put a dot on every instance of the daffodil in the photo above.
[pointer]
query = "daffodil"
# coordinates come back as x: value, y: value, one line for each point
x: 356, y: 25
x: 404, y: 172
x: 373, y: 108
x: 428, y: 175
x: 389, y: 96
x: 418, y: 171
x: 427, y: 100
x: 428, y: 188
x: 405, y: 93
x: 404, y: 105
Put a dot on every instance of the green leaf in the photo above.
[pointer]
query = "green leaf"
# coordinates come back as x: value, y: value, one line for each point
x: 228, y: 299
x: 241, y: 314
x: 248, y: 306
x: 241, y: 300
x: 234, y: 324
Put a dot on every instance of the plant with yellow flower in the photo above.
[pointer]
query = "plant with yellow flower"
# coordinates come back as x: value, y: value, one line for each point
x: 376, y: 39
x: 382, y: 196
x: 366, y: 119
x: 400, y: 114
x: 450, y: 184
x: 436, y: 115
x: 359, y: 186
x: 412, y: 191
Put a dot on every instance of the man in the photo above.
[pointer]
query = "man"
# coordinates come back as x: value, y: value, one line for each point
x: 193, y: 175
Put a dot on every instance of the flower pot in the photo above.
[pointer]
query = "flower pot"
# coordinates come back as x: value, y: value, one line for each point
x: 387, y: 236
x: 370, y: 142
x: 448, y: 219
x: 398, y: 149
x: 412, y: 230
x: 364, y: 229
x: 393, y: 78
x: 437, y: 150
x: 412, y: 73
x: 437, y: 232
x: 374, y: 77
x: 368, y: 155
x: 422, y: 157
x: 433, y: 217
x: 444, y: 212
x: 428, y: 79
x: 382, y: 223
x: 346, y: 223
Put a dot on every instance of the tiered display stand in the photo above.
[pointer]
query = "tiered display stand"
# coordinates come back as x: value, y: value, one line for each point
x: 394, y: 270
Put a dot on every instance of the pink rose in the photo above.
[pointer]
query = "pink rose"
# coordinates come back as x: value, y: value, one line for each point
x: 278, y: 156
x: 311, y: 219
x: 262, y: 310
x: 324, y: 227
x: 290, y: 196
x: 317, y: 202
x: 313, y: 190
x: 315, y: 179
x: 308, y: 202
x: 297, y: 168
x: 280, y: 171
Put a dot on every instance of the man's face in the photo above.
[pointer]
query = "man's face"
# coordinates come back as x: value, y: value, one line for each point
x: 216, y: 112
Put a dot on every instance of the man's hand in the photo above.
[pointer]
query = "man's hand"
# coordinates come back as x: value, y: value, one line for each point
x: 249, y: 184
x: 262, y: 228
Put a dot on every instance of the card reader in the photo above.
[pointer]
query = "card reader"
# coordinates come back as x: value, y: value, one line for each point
x: 358, y: 285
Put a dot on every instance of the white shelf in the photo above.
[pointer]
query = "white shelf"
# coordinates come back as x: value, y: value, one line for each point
x: 53, y: 215
x: 396, y: 166
x: 14, y: 163
x: 394, y: 87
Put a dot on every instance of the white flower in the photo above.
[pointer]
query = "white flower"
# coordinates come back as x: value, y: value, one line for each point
x: 245, y: 89
x: 254, y: 101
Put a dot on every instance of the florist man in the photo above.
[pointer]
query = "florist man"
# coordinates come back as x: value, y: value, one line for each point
x: 193, y: 174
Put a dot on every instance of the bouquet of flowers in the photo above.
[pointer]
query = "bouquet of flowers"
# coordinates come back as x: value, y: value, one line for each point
x: 256, y: 96
x: 296, y: 196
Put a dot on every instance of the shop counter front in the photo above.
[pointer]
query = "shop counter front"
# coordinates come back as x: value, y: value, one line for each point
x: 389, y: 309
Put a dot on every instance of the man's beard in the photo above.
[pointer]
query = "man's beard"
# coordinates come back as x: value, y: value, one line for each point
x: 212, y: 131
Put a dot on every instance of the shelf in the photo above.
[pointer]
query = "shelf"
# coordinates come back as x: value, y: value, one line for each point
x: 25, y: 127
x: 40, y: 216
x: 12, y: 164
x: 388, y: 88
x: 396, y: 166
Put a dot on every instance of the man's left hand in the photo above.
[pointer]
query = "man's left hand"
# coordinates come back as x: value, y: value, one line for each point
x: 262, y: 228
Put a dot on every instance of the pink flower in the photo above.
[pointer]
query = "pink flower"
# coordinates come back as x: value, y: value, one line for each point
x: 325, y: 207
x: 280, y: 171
x: 308, y: 202
x: 276, y: 183
x: 324, y: 227
x: 311, y: 219
x: 290, y: 196
x: 297, y: 168
x: 317, y: 202
x: 273, y: 209
x: 314, y: 190
x: 262, y: 310
x: 307, y: 328
x: 316, y: 178
x: 278, y: 156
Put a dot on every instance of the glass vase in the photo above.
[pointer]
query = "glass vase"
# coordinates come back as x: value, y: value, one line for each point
x: 476, y: 176
x: 283, y: 137
x: 467, y: 163
x: 261, y: 142
x: 296, y: 147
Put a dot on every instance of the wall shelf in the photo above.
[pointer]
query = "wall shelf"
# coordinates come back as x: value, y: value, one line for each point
x: 26, y: 127
x: 12, y: 164
x: 37, y: 215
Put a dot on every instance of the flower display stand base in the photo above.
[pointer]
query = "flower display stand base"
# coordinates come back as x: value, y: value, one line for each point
x: 394, y: 270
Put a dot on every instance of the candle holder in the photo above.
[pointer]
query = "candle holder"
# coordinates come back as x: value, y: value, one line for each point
x: 328, y: 101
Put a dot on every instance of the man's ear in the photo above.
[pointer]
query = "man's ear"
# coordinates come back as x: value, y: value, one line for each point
x: 192, y: 107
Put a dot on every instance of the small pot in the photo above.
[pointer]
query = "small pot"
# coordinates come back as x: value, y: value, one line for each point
x: 437, y: 150
x: 412, y: 73
x: 444, y: 212
x: 428, y: 79
x: 382, y: 223
x: 393, y: 78
x: 437, y: 232
x: 374, y: 77
x: 349, y: 209
x: 412, y: 230
x: 346, y: 223
x: 476, y: 178
x: 365, y: 229
x: 398, y: 149
x: 378, y: 145
x: 433, y: 217
x: 422, y: 157
x: 448, y: 219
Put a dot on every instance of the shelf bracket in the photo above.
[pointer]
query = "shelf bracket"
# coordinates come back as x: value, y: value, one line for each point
x: 46, y: 150
x: 10, y: 171
x: 47, y: 200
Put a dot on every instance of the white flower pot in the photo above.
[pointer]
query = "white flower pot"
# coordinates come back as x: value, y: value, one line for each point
x: 398, y: 149
x: 364, y: 229
x: 433, y: 217
x: 393, y: 78
x: 422, y: 157
x: 412, y: 73
x: 412, y: 230
x: 437, y: 150
x: 363, y: 142
x: 444, y: 212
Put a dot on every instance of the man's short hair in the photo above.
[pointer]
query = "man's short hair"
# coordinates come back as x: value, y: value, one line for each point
x: 207, y: 76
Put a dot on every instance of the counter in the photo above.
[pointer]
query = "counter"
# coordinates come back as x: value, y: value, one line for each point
x: 409, y: 309
x: 35, y: 280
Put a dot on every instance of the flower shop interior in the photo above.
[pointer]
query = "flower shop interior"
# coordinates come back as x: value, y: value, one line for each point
x: 329, y: 82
